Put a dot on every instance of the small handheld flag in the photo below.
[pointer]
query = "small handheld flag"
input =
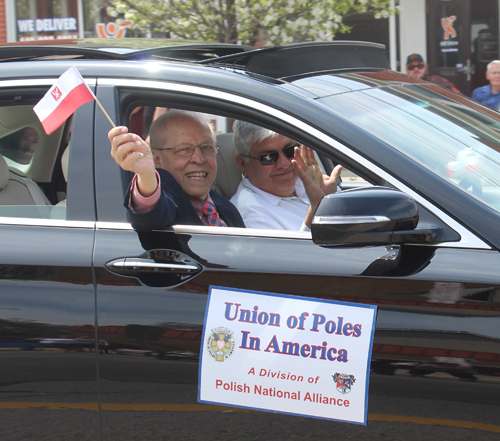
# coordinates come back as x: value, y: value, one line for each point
x: 69, y: 92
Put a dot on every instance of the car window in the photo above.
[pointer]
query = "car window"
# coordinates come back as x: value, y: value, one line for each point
x: 19, y: 146
x: 460, y: 146
x: 32, y: 165
x: 229, y: 175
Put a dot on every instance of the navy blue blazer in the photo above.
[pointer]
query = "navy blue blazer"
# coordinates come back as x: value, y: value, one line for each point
x: 174, y: 207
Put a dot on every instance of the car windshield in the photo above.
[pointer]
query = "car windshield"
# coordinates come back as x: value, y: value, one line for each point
x: 456, y: 139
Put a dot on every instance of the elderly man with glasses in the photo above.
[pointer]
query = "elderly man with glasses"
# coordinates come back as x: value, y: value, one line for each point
x: 282, y: 184
x: 173, y: 177
x: 489, y: 95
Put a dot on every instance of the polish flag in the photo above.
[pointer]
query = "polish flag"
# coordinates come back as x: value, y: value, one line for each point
x: 69, y: 92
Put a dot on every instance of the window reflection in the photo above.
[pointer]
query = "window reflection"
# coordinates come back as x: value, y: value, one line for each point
x: 457, y: 140
x: 20, y: 145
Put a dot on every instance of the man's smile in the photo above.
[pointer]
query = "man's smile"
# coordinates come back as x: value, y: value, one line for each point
x: 196, y: 175
x: 282, y: 173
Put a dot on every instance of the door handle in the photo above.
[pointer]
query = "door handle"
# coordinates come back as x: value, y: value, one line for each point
x: 469, y: 70
x: 158, y: 268
x: 135, y: 264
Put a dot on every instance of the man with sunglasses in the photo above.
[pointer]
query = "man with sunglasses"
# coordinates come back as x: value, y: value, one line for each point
x: 271, y: 195
x: 178, y: 191
x: 416, y: 67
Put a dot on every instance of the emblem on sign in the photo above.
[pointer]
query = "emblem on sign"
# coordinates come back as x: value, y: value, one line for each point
x: 220, y: 343
x: 343, y: 382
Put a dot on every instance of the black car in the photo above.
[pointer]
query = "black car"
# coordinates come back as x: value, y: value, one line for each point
x: 100, y: 326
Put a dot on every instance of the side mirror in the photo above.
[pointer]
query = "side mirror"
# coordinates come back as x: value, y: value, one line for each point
x: 369, y: 216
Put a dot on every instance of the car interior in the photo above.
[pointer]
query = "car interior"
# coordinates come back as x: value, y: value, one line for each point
x: 228, y: 174
x: 34, y: 165
x: 31, y: 174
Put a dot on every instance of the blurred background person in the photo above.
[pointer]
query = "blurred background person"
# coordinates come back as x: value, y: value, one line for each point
x: 489, y: 95
x: 416, y: 67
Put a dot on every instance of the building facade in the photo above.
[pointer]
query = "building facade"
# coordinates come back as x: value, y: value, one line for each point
x: 457, y: 38
x: 43, y: 20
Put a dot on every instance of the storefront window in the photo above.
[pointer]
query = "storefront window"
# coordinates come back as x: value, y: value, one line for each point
x: 46, y: 19
x: 58, y: 19
x: 484, y: 32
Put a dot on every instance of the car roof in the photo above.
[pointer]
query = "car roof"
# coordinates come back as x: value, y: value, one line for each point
x: 278, y: 62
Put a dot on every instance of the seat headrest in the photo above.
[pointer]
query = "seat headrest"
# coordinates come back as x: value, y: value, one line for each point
x: 228, y: 173
x: 4, y: 173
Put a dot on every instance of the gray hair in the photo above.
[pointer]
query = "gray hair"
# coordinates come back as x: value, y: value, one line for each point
x: 158, y: 131
x: 491, y: 64
x: 245, y: 135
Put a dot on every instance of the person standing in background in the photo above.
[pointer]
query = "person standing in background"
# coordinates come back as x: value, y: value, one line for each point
x: 489, y: 95
x: 416, y: 67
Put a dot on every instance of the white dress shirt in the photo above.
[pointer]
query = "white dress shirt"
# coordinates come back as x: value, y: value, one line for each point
x: 261, y: 209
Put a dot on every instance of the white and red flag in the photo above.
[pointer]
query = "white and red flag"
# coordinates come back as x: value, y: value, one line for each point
x: 69, y: 92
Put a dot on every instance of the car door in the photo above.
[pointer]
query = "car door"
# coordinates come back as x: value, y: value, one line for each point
x: 152, y: 293
x: 47, y: 309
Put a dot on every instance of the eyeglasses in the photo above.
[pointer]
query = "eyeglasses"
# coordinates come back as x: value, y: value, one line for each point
x: 271, y: 158
x: 415, y: 66
x: 185, y: 150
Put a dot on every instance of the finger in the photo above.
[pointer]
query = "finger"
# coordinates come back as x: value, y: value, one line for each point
x: 298, y: 158
x: 125, y: 149
x: 129, y: 161
x: 304, y: 153
x: 311, y: 158
x: 115, y: 131
x: 130, y: 140
x: 125, y: 138
x: 118, y: 136
x: 331, y: 181
x: 336, y: 172
x: 303, y: 175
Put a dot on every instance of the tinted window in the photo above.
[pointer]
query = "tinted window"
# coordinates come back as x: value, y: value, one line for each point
x: 19, y: 145
x: 32, y: 181
x: 456, y: 140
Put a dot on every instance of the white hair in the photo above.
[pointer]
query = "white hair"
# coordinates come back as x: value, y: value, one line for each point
x: 491, y: 64
x: 245, y: 135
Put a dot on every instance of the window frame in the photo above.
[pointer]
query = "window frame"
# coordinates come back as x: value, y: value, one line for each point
x: 184, y: 96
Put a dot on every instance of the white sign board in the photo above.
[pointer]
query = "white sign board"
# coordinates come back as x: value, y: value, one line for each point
x: 289, y: 354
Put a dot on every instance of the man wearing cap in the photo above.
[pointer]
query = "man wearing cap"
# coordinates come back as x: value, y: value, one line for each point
x: 490, y: 95
x: 416, y: 67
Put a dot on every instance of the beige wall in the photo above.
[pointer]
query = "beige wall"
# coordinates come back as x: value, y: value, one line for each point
x: 413, y: 38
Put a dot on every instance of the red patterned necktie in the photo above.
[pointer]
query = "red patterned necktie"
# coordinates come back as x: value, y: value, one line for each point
x: 211, y: 214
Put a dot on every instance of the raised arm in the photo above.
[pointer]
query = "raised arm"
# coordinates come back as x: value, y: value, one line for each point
x: 133, y: 154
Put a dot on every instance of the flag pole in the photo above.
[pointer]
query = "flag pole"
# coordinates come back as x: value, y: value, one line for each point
x: 105, y: 113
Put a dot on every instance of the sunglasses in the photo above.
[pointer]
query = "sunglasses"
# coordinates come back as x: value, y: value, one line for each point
x: 415, y: 66
x: 271, y: 158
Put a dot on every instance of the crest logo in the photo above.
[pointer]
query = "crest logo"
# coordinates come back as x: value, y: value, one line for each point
x: 343, y: 382
x: 56, y: 93
x: 220, y: 343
